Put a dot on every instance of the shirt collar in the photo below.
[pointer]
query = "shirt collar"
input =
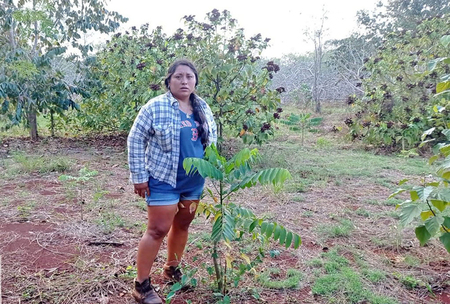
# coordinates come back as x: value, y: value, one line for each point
x: 173, y: 100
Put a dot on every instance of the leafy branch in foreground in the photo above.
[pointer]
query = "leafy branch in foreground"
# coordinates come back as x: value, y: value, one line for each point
x: 428, y: 203
x: 231, y: 223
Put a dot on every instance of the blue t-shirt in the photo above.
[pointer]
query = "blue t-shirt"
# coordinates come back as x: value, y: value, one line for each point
x: 190, y: 146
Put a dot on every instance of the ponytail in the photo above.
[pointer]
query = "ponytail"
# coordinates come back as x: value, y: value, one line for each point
x: 199, y: 116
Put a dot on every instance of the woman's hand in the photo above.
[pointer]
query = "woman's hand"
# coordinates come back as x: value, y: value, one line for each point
x: 142, y: 189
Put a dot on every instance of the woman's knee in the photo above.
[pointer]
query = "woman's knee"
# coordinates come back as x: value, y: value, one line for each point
x: 157, y: 232
x: 183, y: 222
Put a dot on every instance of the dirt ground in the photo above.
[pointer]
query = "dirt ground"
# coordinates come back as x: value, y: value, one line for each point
x: 55, y: 249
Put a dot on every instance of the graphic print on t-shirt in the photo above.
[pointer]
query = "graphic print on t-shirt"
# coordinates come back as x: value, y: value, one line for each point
x: 188, y: 124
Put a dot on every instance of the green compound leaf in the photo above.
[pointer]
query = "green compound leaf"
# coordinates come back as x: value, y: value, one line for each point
x: 289, y: 238
x: 446, y: 222
x: 440, y: 205
x: 409, y: 212
x: 433, y: 224
x: 445, y: 239
x: 297, y: 241
x: 422, y: 235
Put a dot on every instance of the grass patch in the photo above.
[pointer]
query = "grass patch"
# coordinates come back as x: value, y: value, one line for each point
x: 268, y: 279
x: 314, y: 168
x: 392, y: 202
x: 25, y: 210
x: 362, y: 212
x: 412, y: 261
x: 109, y: 221
x: 340, y: 283
x: 307, y: 213
x: 408, y: 281
x: 323, y: 143
x: 342, y: 229
x: 23, y: 163
x: 375, y: 276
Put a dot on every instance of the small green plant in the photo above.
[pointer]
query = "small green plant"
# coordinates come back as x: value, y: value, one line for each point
x: 130, y: 273
x: 186, y: 280
x: 25, y: 210
x: 109, y: 221
x: 323, y: 143
x: 409, y: 282
x: 303, y: 122
x: 232, y: 223
x: 84, y: 175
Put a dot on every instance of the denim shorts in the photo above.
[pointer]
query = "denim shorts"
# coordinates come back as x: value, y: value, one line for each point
x: 173, y: 197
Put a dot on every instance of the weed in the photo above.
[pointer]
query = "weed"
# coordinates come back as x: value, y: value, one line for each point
x: 379, y: 242
x: 392, y: 202
x: 98, y: 195
x: 307, y: 213
x: 25, y: 210
x: 372, y: 202
x: 140, y: 204
x: 342, y: 229
x: 334, y: 262
x: 346, y: 286
x: 316, y: 262
x: 40, y: 164
x: 411, y: 261
x: 109, y: 221
x: 84, y: 175
x: 382, y: 181
x: 362, y: 212
x: 410, y: 282
x: 292, y: 280
x: 298, y: 199
x: 374, y: 276
x: 393, y: 214
x: 130, y: 272
x: 299, y: 187
x: 323, y: 143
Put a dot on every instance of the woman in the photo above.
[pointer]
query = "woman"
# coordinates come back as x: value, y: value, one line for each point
x: 168, y: 128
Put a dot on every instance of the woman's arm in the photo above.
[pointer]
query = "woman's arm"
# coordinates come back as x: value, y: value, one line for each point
x: 137, y: 144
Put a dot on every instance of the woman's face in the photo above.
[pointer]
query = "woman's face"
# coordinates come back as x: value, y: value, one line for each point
x: 182, y: 82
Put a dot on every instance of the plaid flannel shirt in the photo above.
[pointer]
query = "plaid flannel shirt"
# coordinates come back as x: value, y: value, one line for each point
x: 154, y: 139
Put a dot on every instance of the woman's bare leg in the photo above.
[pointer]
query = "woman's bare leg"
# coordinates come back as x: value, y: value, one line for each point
x: 160, y: 219
x: 178, y: 234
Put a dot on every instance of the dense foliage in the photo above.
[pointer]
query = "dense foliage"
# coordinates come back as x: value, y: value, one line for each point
x: 233, y: 78
x: 429, y: 202
x: 33, y: 35
x: 399, y: 89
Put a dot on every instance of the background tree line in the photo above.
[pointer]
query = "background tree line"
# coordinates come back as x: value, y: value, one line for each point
x: 48, y: 69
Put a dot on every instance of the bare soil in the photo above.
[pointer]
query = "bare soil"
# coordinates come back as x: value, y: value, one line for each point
x: 54, y: 249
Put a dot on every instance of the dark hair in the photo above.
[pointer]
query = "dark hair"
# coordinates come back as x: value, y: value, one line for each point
x: 199, y: 115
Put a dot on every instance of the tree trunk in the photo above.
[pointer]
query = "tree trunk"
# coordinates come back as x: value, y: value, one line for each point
x: 32, y: 121
x: 318, y: 106
x: 52, y: 123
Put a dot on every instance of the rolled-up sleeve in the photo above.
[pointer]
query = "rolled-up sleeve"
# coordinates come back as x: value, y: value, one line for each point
x: 137, y: 142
